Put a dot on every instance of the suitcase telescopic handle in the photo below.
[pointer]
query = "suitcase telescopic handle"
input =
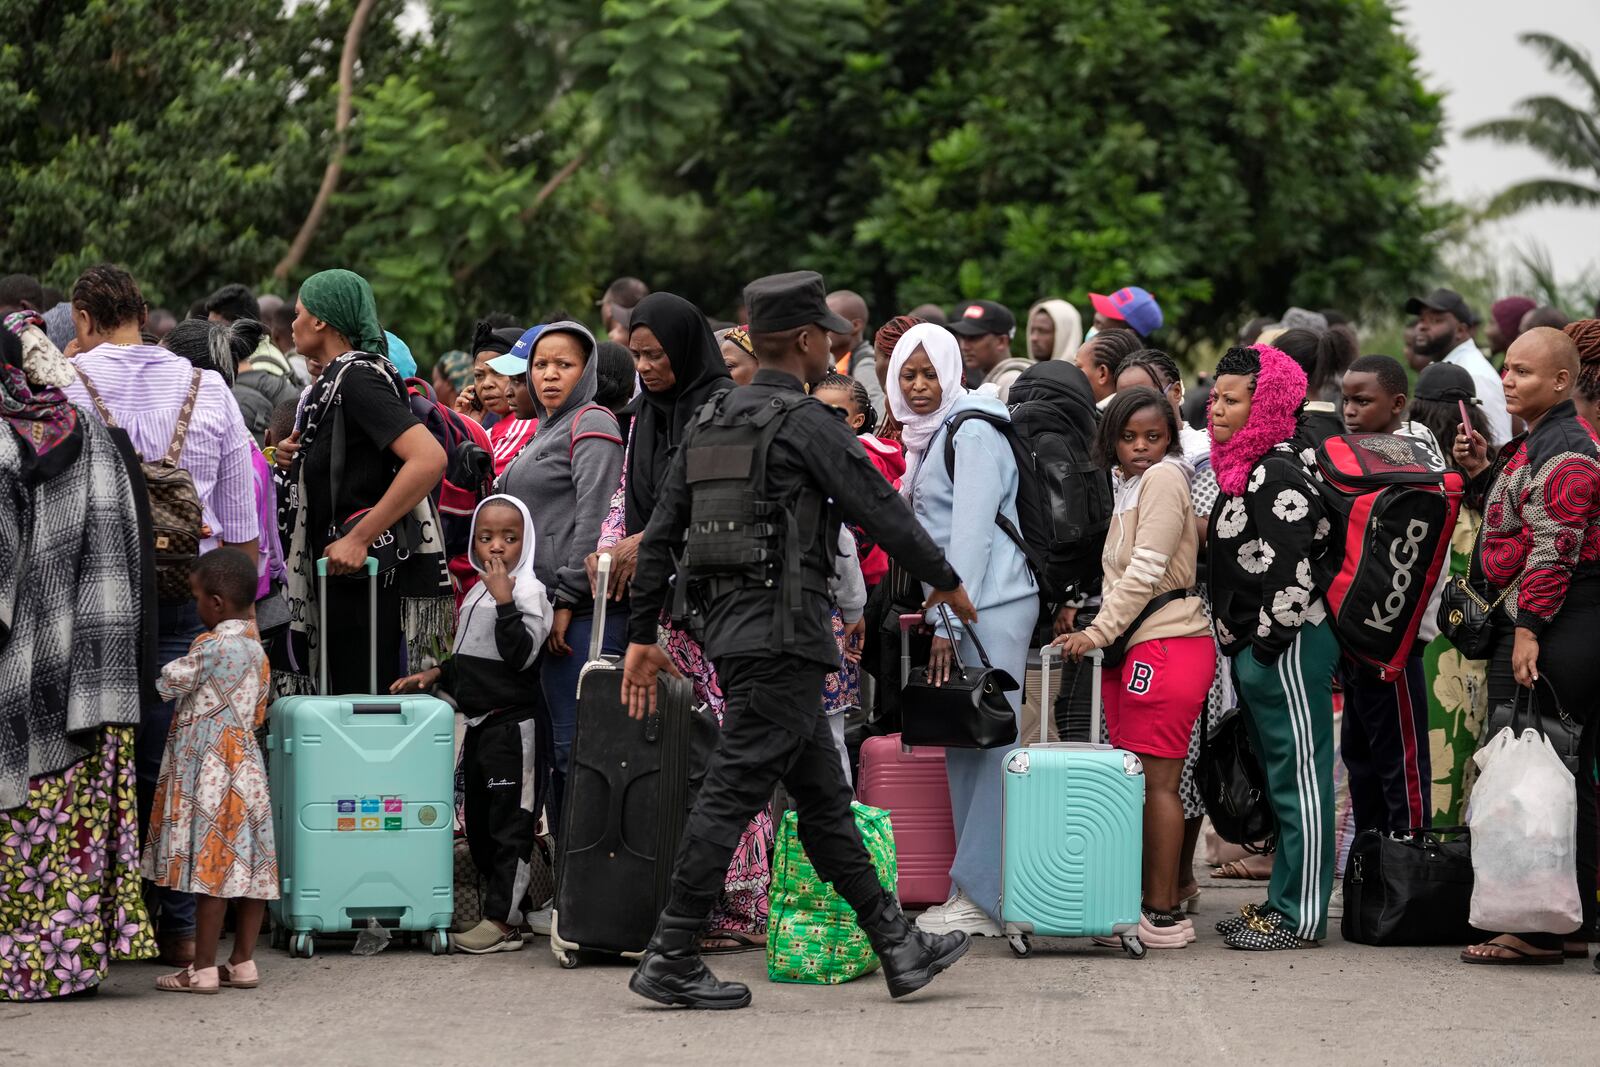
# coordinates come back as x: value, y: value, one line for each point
x: 908, y: 622
x: 322, y: 620
x: 1096, y: 658
x: 602, y: 589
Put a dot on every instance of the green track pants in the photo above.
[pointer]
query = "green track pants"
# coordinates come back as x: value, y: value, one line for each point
x: 1289, y: 708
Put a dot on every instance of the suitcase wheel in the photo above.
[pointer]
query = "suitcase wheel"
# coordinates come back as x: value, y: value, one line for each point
x: 439, y: 942
x: 1133, y: 946
x: 302, y: 946
x: 567, y: 960
x: 1020, y: 945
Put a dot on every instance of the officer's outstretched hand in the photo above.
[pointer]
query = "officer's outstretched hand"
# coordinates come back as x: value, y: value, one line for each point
x: 639, y: 671
x: 957, y: 599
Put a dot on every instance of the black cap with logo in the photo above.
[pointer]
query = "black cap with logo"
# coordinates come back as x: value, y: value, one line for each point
x: 976, y: 318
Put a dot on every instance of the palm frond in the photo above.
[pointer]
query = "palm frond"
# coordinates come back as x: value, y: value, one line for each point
x: 1573, y: 121
x: 1556, y: 144
x: 1566, y: 57
x: 1543, y: 192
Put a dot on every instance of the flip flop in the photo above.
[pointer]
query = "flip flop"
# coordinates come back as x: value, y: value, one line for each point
x: 1237, y: 869
x: 1522, y: 957
x: 740, y: 942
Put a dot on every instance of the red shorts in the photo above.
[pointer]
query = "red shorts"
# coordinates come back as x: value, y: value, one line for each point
x: 1154, y: 697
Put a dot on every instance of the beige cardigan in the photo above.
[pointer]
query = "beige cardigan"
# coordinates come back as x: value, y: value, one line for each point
x: 1152, y: 547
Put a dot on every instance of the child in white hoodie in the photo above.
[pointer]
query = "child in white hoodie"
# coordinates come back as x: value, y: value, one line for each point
x: 493, y: 676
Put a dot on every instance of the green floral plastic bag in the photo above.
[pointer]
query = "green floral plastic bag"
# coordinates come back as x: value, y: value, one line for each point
x: 812, y: 934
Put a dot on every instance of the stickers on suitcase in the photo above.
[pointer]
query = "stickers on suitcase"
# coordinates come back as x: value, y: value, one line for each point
x: 376, y: 813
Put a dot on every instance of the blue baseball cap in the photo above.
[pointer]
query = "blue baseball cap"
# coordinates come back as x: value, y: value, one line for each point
x: 1132, y: 305
x: 515, y: 362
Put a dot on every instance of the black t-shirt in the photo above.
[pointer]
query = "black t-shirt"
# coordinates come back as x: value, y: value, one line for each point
x: 374, y: 416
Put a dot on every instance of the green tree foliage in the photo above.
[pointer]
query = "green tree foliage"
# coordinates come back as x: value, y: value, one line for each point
x: 1226, y: 155
x: 1568, y: 135
x: 484, y: 178
x: 179, y: 137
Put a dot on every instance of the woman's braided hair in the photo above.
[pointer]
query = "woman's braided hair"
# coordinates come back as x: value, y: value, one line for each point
x: 1585, y: 333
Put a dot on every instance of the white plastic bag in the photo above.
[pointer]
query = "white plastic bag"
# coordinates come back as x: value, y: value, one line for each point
x: 1523, y: 815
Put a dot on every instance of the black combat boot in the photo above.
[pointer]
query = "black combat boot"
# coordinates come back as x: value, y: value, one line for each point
x: 910, y: 957
x: 672, y: 972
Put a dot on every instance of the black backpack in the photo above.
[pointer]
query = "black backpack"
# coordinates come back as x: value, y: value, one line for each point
x: 739, y: 534
x: 1063, y: 496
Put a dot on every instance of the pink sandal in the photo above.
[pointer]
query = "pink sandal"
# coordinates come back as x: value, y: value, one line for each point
x: 189, y: 980
x: 238, y: 975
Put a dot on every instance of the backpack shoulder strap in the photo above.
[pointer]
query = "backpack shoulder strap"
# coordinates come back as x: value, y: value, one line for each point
x: 575, y: 435
x: 99, y: 405
x: 181, y: 431
x: 953, y: 423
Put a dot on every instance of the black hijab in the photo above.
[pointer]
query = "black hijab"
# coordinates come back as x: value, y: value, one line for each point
x: 700, y: 374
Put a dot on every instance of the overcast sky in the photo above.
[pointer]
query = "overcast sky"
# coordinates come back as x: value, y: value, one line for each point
x: 1469, y: 50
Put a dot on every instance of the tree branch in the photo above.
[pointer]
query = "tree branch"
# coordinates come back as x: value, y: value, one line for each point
x: 341, y: 142
x: 526, y: 215
x: 548, y: 188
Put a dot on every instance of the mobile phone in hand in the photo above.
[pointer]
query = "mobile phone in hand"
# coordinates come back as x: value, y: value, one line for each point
x: 1466, y: 419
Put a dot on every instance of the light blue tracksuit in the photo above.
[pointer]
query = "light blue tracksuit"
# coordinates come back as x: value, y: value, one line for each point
x: 959, y: 516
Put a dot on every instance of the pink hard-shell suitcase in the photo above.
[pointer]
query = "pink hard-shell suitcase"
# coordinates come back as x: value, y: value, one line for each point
x: 910, y: 784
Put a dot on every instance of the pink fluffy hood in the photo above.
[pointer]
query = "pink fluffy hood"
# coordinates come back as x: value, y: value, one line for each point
x: 1274, y: 409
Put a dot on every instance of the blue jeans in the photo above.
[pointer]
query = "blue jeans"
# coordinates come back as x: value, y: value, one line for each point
x: 177, y: 625
x: 558, y: 676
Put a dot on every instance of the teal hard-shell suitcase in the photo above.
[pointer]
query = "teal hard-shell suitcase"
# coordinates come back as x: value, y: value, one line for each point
x: 1073, y: 837
x: 362, y: 812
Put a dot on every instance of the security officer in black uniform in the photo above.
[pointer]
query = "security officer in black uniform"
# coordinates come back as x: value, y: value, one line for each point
x: 754, y: 498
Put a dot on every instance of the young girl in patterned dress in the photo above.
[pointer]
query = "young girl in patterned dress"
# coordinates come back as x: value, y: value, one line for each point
x: 211, y: 828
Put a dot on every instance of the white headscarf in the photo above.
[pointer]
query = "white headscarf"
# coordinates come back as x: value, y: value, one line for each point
x: 916, y: 431
x: 1069, y: 327
x: 476, y: 618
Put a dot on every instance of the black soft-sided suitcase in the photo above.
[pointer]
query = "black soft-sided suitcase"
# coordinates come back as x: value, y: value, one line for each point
x: 630, y: 786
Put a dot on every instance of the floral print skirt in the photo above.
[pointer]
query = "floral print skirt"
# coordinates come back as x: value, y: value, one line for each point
x: 69, y: 877
x: 743, y: 906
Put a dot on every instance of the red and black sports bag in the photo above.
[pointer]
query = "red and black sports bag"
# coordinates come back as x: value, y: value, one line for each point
x: 1393, y: 505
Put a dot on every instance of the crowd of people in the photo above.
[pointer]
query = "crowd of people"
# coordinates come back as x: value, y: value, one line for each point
x: 173, y: 487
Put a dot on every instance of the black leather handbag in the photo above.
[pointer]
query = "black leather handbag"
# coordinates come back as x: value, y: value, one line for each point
x: 969, y: 710
x: 1414, y: 889
x: 1552, y: 721
x: 1466, y: 616
x: 1233, y: 787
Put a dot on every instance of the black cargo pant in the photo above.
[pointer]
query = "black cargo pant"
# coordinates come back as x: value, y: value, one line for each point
x: 773, y: 729
x: 500, y: 762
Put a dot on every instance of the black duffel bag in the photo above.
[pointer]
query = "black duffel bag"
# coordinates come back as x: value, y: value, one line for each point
x: 1414, y: 889
x: 1233, y: 787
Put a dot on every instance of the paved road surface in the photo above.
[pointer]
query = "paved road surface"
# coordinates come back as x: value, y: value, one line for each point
x: 1204, y: 1005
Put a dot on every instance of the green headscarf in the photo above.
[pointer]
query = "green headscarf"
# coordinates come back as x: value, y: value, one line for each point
x: 343, y: 300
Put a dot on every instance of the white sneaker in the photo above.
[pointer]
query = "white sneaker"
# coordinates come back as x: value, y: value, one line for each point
x: 1336, y: 901
x: 959, y: 913
x: 538, y: 922
x: 937, y: 912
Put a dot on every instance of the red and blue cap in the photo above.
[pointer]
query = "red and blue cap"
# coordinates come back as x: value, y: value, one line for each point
x: 1132, y: 305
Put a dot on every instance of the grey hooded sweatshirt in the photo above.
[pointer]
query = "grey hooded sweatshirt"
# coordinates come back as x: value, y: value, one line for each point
x: 566, y: 476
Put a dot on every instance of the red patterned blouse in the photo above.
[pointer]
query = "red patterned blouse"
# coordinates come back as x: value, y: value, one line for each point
x: 1541, y: 515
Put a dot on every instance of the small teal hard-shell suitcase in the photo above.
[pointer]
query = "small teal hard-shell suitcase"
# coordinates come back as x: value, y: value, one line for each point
x: 1073, y: 837
x: 362, y: 811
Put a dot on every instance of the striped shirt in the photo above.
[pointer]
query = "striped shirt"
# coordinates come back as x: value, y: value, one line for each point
x: 508, y: 437
x: 144, y: 387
